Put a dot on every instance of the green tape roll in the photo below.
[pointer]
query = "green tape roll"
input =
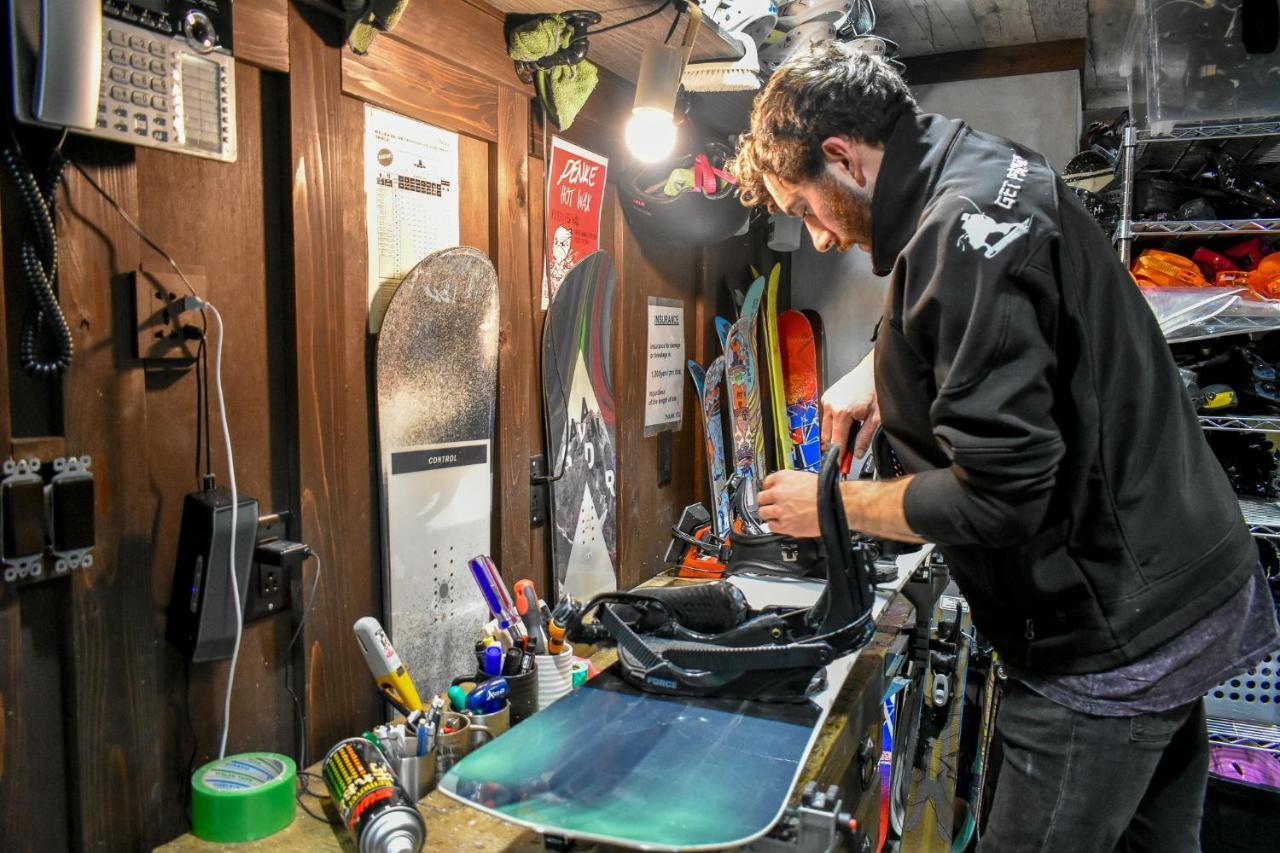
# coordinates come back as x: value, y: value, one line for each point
x: 243, y: 797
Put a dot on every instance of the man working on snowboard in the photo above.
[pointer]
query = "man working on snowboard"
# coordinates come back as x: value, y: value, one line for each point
x: 1053, y: 454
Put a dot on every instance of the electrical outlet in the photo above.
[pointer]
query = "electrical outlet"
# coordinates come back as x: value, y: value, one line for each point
x: 268, y: 592
x: 277, y: 562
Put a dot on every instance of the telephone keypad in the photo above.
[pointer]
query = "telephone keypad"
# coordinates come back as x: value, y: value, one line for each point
x: 184, y: 98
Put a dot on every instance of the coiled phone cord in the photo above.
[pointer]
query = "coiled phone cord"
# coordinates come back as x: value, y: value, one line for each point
x: 40, y: 266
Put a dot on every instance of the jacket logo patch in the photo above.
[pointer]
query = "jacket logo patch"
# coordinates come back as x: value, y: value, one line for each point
x: 1014, y: 177
x: 984, y: 234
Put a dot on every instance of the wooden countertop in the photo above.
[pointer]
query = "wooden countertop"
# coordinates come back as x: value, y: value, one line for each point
x: 452, y: 826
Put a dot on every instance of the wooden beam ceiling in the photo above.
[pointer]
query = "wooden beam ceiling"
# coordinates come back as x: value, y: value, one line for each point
x: 1065, y: 55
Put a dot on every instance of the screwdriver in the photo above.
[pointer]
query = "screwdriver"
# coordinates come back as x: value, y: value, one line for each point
x: 527, y: 607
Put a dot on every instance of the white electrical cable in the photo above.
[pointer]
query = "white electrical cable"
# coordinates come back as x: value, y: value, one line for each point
x: 235, y: 508
x: 226, y: 435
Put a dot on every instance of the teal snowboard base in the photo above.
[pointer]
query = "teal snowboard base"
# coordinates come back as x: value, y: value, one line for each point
x: 609, y: 763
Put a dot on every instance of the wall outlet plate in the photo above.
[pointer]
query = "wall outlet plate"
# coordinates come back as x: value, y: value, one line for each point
x: 159, y: 328
x: 269, y: 586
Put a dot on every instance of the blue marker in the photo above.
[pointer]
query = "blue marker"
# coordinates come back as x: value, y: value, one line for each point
x: 488, y: 697
x: 493, y: 660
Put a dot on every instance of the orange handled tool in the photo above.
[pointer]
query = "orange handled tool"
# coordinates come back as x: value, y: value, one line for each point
x: 846, y: 461
x: 556, y: 627
x: 530, y: 613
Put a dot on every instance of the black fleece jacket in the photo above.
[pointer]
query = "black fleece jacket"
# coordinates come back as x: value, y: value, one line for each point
x: 1023, y: 379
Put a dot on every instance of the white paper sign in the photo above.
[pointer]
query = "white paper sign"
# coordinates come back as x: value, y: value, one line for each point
x: 664, y: 385
x: 411, y: 199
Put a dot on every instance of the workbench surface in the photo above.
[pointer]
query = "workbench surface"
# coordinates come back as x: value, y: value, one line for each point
x: 454, y: 827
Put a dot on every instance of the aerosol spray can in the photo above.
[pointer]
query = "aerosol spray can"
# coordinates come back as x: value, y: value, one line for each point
x: 376, y: 811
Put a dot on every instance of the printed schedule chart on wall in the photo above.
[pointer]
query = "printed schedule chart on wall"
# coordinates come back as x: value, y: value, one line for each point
x: 411, y: 199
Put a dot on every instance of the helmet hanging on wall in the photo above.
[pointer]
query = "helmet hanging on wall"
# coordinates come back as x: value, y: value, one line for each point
x: 690, y: 201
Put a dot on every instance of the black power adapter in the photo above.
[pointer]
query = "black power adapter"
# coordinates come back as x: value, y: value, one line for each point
x: 202, y: 616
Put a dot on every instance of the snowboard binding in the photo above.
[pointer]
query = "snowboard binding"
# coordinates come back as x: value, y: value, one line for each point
x: 705, y: 641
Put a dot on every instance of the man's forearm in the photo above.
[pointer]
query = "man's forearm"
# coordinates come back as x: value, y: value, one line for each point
x: 877, y: 508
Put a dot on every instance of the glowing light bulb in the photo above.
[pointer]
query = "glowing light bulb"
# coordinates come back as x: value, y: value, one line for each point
x: 651, y: 134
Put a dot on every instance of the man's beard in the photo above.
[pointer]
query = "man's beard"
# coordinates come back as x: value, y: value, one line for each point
x: 851, y: 208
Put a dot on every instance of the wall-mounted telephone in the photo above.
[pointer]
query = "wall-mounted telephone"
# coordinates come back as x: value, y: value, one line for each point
x: 144, y: 72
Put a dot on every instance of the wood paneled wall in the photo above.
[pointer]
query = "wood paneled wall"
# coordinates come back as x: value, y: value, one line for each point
x: 95, y: 742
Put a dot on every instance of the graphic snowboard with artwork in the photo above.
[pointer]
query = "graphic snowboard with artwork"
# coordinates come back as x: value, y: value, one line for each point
x: 800, y: 373
x: 819, y: 346
x: 436, y: 384
x: 709, y: 386
x: 742, y: 376
x: 577, y: 396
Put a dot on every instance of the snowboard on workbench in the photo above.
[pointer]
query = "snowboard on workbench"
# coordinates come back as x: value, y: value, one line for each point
x: 436, y: 380
x: 708, y: 384
x: 742, y: 377
x: 612, y: 764
x: 577, y: 396
x: 800, y: 375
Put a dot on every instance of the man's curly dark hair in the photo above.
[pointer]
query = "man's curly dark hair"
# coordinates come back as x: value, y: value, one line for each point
x: 832, y: 90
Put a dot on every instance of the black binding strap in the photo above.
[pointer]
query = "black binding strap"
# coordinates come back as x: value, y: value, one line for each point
x: 712, y: 658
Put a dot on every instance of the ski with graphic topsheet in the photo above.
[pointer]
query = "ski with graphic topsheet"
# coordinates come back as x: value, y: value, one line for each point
x: 742, y: 377
x: 708, y: 384
x: 611, y: 764
x: 773, y: 358
x: 436, y: 373
x: 820, y: 346
x: 722, y: 330
x: 800, y: 373
x: 577, y: 396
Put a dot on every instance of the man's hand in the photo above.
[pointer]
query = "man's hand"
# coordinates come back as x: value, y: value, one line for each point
x: 852, y: 398
x: 789, y: 503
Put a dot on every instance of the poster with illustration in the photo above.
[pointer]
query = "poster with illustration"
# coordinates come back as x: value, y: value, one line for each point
x: 575, y: 195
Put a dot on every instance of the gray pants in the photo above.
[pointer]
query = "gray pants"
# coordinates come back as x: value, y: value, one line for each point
x: 1074, y: 782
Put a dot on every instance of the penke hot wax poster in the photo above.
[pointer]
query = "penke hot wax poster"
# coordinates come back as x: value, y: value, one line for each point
x: 575, y: 196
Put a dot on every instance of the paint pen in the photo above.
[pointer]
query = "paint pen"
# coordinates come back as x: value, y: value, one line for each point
x: 512, y: 661
x: 457, y: 698
x: 493, y: 660
x: 388, y: 671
